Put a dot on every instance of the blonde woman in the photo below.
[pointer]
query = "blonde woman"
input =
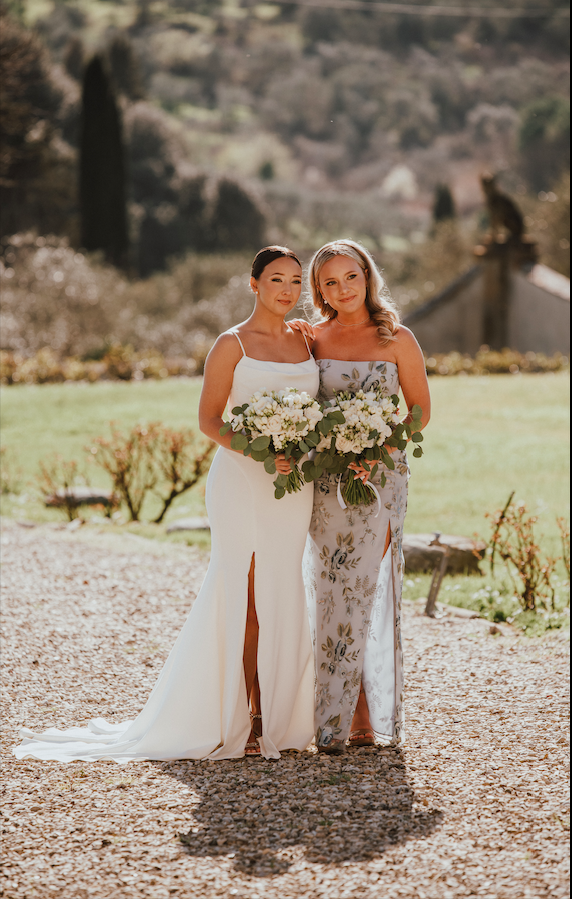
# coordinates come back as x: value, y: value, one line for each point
x: 354, y: 563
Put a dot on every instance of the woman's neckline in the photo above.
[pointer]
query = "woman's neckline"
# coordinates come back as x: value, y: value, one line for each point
x: 359, y: 361
x: 273, y: 362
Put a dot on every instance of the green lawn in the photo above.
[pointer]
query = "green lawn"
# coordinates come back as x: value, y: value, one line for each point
x: 488, y: 436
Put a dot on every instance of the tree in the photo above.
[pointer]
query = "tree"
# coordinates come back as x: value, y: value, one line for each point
x: 37, y: 187
x: 74, y: 58
x: 443, y: 204
x: 102, y: 168
x: 544, y: 141
x: 237, y: 222
x: 124, y: 67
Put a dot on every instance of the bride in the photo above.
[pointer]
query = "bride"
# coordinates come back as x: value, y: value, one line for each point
x: 247, y: 635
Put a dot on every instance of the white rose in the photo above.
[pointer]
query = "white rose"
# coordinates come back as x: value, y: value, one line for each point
x: 273, y: 425
x: 343, y: 445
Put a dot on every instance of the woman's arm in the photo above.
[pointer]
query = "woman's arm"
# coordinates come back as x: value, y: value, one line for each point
x: 412, y: 374
x: 219, y: 372
x: 413, y: 380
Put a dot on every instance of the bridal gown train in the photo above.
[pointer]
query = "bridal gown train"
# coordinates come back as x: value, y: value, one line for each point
x: 198, y: 707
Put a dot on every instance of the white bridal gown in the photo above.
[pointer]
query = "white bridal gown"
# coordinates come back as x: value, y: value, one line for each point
x: 198, y: 707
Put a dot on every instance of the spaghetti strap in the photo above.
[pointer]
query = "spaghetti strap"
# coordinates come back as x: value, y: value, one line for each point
x: 305, y: 341
x: 232, y: 331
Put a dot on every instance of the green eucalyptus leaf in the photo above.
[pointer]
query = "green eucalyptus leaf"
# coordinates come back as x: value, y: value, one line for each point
x: 270, y: 465
x: 281, y: 480
x: 239, y: 442
x: 417, y: 452
x: 304, y: 446
x: 225, y: 428
x: 260, y: 455
x: 279, y: 492
x: 260, y: 443
x: 417, y: 437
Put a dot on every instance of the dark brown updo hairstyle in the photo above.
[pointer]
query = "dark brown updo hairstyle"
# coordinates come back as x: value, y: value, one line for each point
x: 267, y: 255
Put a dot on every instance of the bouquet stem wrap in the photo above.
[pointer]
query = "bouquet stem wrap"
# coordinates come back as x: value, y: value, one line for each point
x: 358, y: 493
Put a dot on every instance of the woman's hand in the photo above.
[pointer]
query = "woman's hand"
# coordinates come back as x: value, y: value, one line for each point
x: 300, y: 324
x: 282, y: 464
x: 361, y: 473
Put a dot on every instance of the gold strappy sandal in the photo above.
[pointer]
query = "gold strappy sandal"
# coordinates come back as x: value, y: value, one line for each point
x: 252, y: 748
x: 362, y: 737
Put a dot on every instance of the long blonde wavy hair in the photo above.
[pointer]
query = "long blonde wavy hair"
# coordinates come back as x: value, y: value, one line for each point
x: 381, y: 307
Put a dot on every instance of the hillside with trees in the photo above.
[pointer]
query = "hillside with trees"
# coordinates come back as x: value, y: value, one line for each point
x: 240, y: 122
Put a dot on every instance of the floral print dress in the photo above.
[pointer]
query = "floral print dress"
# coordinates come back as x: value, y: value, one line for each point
x: 354, y: 594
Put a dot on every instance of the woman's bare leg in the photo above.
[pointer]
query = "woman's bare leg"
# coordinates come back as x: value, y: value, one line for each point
x: 250, y: 658
x: 361, y: 720
x: 251, y: 635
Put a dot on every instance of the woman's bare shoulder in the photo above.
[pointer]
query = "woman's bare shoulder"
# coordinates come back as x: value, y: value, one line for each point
x: 226, y: 347
x: 404, y: 338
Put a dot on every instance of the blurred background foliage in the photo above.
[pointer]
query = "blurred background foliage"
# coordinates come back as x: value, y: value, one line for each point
x: 245, y: 123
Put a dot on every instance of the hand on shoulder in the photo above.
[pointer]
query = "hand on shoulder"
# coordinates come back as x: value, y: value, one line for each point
x: 300, y: 324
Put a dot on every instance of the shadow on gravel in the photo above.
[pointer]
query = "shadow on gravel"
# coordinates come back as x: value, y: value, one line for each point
x: 257, y: 811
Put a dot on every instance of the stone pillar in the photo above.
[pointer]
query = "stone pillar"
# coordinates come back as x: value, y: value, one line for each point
x: 499, y: 257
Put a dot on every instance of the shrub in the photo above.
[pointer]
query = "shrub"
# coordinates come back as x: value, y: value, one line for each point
x: 129, y: 462
x: 493, y: 362
x: 57, y: 480
x: 76, y: 306
x: 148, y: 456
x: 514, y: 541
x: 545, y: 141
x: 181, y: 462
x: 564, y: 528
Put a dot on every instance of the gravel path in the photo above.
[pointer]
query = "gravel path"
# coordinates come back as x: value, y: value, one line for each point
x: 475, y: 805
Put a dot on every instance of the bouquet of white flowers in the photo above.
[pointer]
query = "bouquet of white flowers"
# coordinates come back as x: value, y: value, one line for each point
x: 370, y: 424
x: 273, y: 422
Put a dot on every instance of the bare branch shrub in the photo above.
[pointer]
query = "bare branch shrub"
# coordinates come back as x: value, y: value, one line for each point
x: 514, y: 541
x: 181, y: 461
x: 148, y: 457
x: 129, y: 461
x: 57, y: 479
x: 564, y: 528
